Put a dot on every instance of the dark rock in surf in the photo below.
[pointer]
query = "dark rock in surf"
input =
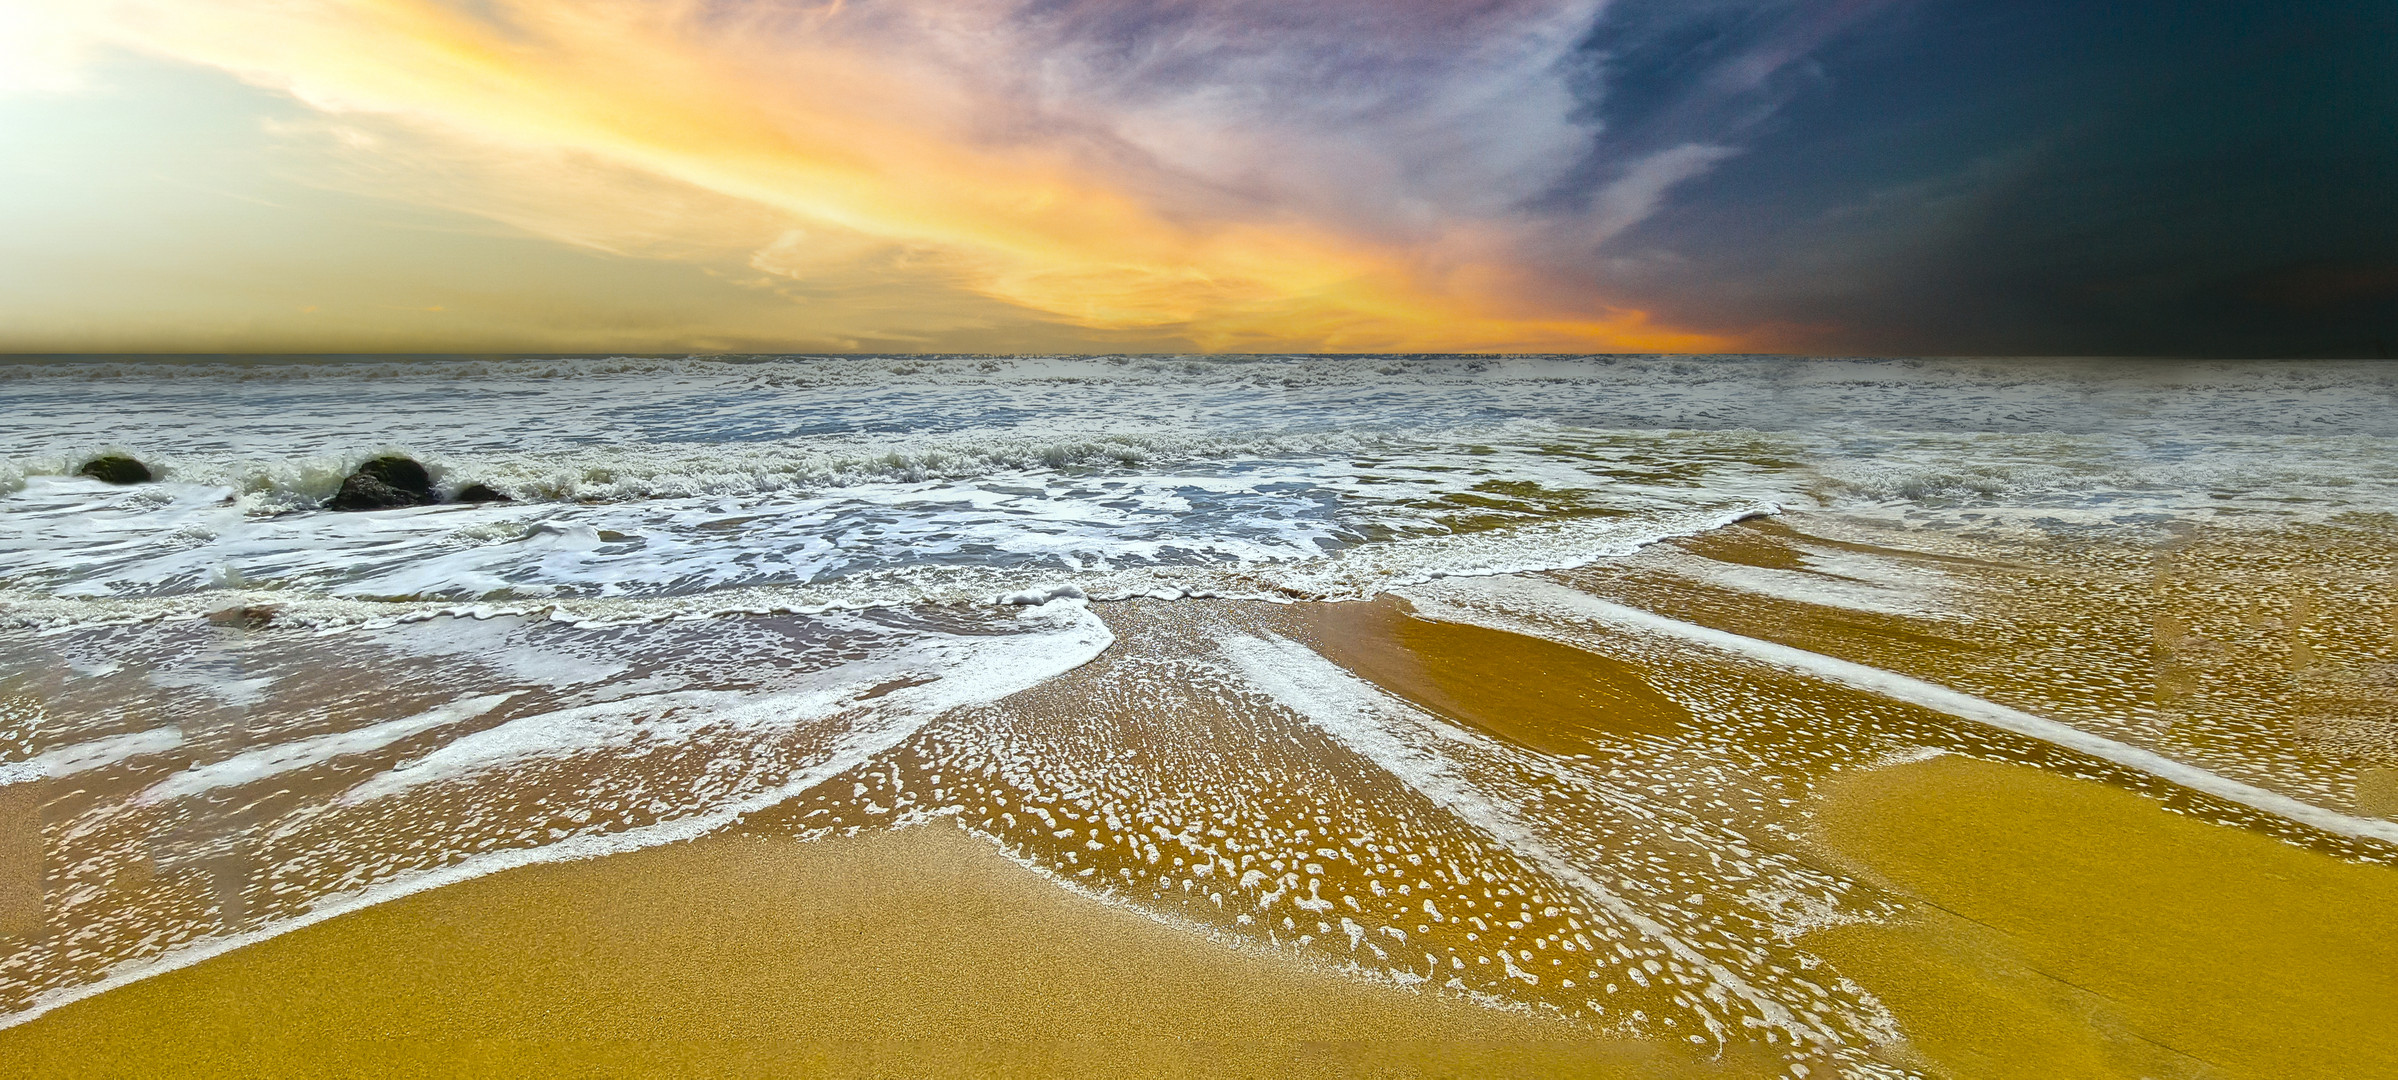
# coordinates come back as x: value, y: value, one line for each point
x: 250, y: 617
x: 480, y: 493
x: 384, y: 483
x: 115, y: 469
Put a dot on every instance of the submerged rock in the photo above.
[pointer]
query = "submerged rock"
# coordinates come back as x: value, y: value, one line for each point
x: 115, y: 469
x: 384, y: 483
x: 480, y: 493
x: 246, y: 617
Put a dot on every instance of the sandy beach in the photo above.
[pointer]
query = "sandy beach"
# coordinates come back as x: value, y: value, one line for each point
x: 915, y: 952
x: 1746, y: 539
x: 1998, y: 909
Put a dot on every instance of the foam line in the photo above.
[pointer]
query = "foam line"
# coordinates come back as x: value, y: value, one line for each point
x: 1559, y: 599
x: 883, y: 725
x: 69, y: 760
x: 1839, y: 580
x: 1402, y: 741
x: 271, y: 760
x: 849, y: 755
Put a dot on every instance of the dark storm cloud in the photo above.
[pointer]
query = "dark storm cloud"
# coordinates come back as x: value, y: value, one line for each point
x: 1655, y: 74
x: 2012, y: 177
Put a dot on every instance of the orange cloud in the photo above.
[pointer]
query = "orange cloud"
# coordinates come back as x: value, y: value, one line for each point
x: 814, y: 113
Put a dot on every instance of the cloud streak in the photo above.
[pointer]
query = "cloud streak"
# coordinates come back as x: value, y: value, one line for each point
x: 1237, y: 175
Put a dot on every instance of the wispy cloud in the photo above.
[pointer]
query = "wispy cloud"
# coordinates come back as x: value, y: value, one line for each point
x: 1232, y: 174
x: 1235, y: 175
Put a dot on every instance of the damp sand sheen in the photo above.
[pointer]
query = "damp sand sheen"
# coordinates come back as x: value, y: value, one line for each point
x: 1712, y: 779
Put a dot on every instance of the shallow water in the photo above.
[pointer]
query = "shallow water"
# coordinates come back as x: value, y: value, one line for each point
x: 1668, y: 600
x: 854, y: 481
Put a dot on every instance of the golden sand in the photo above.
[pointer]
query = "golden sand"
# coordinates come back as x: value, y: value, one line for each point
x: 2066, y: 928
x: 917, y: 952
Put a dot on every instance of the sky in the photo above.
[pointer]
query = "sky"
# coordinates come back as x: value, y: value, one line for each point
x: 1989, y: 177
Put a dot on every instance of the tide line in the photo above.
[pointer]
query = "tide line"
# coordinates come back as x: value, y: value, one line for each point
x: 1561, y: 600
x: 882, y: 725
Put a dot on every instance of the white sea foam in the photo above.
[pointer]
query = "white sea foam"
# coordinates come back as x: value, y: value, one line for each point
x: 500, y: 644
x: 97, y: 753
x: 255, y: 765
x: 943, y: 673
x: 1831, y: 579
x: 227, y: 688
x: 1035, y: 597
x: 877, y: 480
x: 619, y: 724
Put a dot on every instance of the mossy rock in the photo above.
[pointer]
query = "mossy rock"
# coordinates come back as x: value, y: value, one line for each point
x: 480, y: 493
x: 115, y: 469
x: 384, y: 483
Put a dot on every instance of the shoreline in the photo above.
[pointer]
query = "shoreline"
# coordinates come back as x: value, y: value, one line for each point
x: 1571, y: 710
x: 889, y: 950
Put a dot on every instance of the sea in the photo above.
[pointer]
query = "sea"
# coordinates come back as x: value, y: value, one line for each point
x: 720, y: 587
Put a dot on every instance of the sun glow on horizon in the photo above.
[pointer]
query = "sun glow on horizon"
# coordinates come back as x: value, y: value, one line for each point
x: 938, y: 151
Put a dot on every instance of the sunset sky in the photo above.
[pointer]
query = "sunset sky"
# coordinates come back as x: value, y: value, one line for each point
x: 1936, y: 176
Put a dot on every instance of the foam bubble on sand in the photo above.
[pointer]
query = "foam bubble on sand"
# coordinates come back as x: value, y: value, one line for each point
x: 1558, y: 600
x: 1838, y: 579
x: 1405, y: 742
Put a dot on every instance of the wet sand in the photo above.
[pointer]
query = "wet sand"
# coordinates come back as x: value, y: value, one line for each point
x: 2013, y: 919
x: 915, y: 952
x: 2059, y: 928
x: 1552, y: 698
x: 2266, y: 653
x: 20, y: 860
x: 2055, y: 926
x: 2065, y: 928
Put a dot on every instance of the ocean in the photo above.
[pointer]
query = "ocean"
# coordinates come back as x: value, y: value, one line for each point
x: 1119, y: 615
